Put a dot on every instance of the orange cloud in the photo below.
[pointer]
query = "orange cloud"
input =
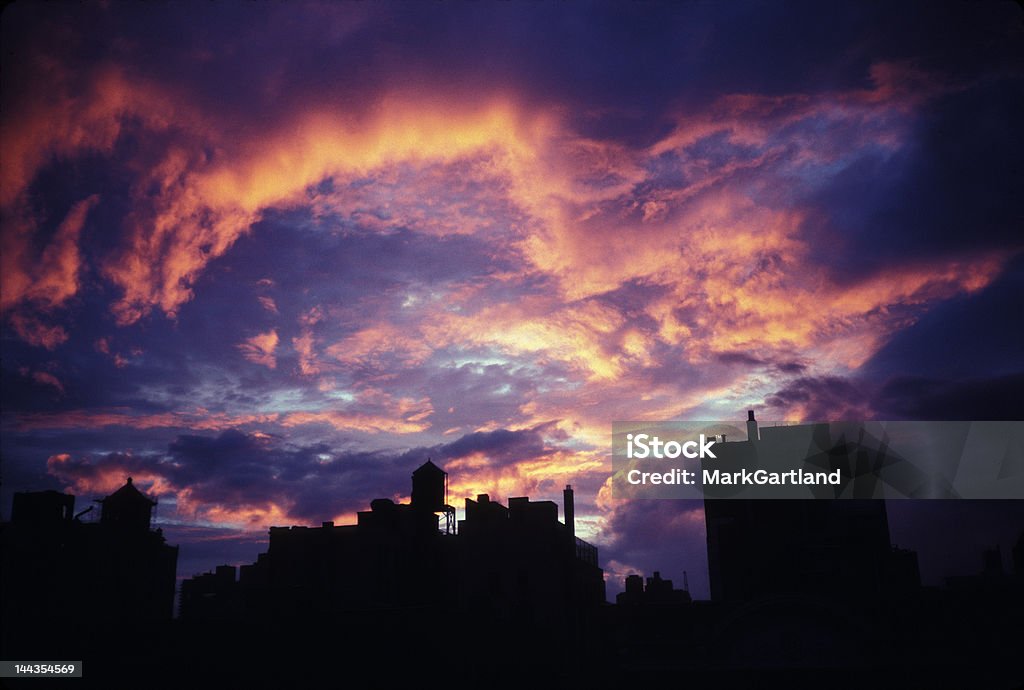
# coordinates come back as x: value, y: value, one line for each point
x: 259, y: 349
x: 106, y: 479
x: 35, y: 332
x: 249, y: 517
x: 587, y: 216
x: 75, y: 112
x: 574, y: 198
x: 208, y: 205
x: 373, y: 411
x: 53, y: 277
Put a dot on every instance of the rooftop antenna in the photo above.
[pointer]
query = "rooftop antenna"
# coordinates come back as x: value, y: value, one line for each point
x: 686, y: 582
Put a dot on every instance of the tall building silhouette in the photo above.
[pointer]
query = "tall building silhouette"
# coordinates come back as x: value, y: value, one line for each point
x: 834, y: 548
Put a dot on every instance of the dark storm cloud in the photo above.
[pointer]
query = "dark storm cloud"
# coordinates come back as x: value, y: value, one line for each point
x: 966, y: 337
x: 236, y: 469
x: 502, y: 445
x: 631, y: 297
x: 820, y: 398
x: 243, y: 474
x: 960, y: 361
x: 739, y: 358
x: 900, y: 398
x: 647, y: 55
x: 952, y: 191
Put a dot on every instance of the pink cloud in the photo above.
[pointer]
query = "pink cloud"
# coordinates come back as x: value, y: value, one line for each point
x: 268, y: 303
x: 35, y: 332
x: 38, y: 284
x: 259, y: 349
x: 48, y: 379
x: 307, y: 358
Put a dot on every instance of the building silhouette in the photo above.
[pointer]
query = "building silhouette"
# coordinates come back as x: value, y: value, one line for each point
x: 519, y: 566
x: 515, y: 566
x: 60, y: 572
x: 839, y: 549
x: 657, y: 592
x: 803, y: 593
x: 212, y: 596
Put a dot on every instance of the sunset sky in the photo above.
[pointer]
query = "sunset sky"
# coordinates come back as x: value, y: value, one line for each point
x: 268, y: 258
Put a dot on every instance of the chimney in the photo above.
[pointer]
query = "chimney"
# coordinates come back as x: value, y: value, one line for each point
x: 752, y: 434
x: 570, y: 509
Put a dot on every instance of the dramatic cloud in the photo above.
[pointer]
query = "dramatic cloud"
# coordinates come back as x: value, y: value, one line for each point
x: 254, y: 480
x: 267, y: 261
x: 50, y: 279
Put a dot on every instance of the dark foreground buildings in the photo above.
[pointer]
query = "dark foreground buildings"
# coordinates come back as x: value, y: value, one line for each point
x: 515, y: 571
x: 405, y: 596
x: 804, y: 594
x: 813, y: 593
x: 64, y: 580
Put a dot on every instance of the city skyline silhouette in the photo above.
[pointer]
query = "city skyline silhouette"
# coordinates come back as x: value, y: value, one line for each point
x: 811, y: 587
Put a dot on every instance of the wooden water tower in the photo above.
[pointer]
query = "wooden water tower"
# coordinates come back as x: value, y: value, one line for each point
x: 430, y: 493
